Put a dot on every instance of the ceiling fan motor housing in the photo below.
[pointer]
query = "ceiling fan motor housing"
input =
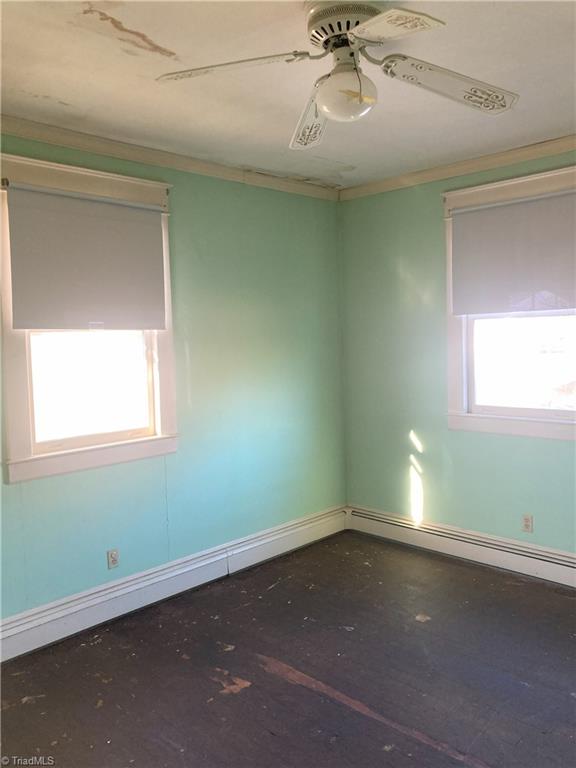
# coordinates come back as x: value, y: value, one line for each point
x: 329, y: 21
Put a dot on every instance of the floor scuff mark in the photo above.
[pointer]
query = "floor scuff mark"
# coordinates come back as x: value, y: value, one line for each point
x: 32, y: 699
x: 230, y: 683
x: 23, y: 700
x: 295, y: 677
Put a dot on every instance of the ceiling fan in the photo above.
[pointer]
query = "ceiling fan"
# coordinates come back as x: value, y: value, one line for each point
x: 347, y: 30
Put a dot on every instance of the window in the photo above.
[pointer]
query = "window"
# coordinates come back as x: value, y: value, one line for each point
x: 87, y: 340
x: 90, y: 386
x: 511, y: 319
x: 523, y: 363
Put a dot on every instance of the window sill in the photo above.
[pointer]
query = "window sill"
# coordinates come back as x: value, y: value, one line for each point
x: 510, y: 425
x: 63, y: 462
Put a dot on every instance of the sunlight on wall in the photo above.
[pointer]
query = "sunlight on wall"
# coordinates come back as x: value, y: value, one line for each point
x: 416, y: 497
x: 416, y: 484
x: 415, y: 440
x: 415, y: 463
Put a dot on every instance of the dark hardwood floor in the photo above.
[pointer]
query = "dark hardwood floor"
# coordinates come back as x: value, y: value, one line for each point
x: 351, y: 652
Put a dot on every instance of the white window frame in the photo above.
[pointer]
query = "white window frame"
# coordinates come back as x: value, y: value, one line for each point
x: 461, y: 413
x: 23, y: 460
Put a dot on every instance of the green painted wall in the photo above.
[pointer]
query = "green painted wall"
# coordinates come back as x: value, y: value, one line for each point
x: 395, y: 380
x: 265, y: 284
x: 255, y: 293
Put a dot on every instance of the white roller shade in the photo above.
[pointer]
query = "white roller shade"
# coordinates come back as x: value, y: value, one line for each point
x: 518, y: 256
x: 84, y: 263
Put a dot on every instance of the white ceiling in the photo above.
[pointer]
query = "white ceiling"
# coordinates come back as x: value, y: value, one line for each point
x: 91, y: 67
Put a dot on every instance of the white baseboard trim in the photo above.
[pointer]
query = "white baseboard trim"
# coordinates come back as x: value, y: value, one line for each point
x: 277, y: 541
x: 46, y: 624
x: 528, y: 559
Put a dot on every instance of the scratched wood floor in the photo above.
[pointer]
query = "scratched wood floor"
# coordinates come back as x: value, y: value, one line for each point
x: 351, y: 652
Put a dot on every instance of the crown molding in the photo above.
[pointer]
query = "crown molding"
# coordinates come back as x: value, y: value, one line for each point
x: 463, y: 167
x: 50, y: 134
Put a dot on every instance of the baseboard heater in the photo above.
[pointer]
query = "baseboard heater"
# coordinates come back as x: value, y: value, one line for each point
x: 46, y: 624
x: 532, y: 560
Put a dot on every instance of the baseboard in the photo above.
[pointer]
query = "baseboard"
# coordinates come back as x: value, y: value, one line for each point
x: 528, y: 559
x: 277, y: 541
x: 46, y: 624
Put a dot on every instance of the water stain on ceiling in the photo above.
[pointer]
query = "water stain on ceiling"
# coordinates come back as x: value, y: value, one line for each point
x: 117, y: 29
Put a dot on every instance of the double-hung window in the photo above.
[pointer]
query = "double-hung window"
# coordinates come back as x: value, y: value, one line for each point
x: 87, y: 343
x: 512, y: 300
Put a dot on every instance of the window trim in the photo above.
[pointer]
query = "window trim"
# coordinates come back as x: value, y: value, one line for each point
x: 22, y: 461
x: 460, y: 416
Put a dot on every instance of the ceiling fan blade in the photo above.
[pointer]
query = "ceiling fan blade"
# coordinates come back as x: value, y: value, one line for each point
x: 311, y: 125
x: 394, y: 23
x: 474, y: 93
x: 228, y: 65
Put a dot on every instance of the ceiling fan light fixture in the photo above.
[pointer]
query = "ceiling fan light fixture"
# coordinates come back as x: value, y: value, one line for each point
x: 347, y: 30
x: 346, y: 95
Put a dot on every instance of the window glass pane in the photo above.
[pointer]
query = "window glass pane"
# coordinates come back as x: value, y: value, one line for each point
x: 88, y: 383
x: 526, y: 362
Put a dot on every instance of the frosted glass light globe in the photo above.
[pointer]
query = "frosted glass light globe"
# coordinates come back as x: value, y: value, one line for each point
x: 341, y: 98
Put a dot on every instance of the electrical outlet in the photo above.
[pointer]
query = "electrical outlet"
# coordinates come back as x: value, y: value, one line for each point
x: 528, y: 523
x: 113, y: 558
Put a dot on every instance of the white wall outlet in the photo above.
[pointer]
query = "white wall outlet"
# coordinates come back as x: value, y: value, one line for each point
x: 113, y: 558
x: 528, y: 523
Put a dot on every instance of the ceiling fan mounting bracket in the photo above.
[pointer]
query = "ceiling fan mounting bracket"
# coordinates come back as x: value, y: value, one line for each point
x: 329, y: 21
x: 343, y: 54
